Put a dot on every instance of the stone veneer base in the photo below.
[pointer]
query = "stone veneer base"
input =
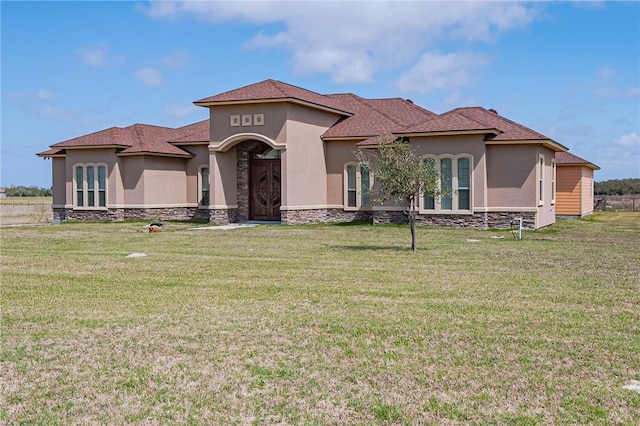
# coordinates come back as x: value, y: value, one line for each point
x: 297, y: 217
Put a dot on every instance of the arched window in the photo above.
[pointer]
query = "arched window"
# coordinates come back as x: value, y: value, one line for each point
x: 455, y: 181
x: 90, y: 182
x: 203, y: 186
x: 357, y: 185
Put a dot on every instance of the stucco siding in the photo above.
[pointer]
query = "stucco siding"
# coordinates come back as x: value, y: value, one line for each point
x: 58, y: 176
x: 223, y: 178
x: 339, y: 153
x: 132, y: 172
x: 304, y: 168
x: 511, y: 176
x: 472, y: 145
x: 165, y: 181
x: 200, y: 159
x: 274, y: 125
x: 92, y: 156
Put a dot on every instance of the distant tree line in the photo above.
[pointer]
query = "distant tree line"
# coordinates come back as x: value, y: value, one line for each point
x: 618, y: 187
x: 27, y: 191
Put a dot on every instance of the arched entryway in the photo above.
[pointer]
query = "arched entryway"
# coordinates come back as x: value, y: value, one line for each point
x: 264, y: 183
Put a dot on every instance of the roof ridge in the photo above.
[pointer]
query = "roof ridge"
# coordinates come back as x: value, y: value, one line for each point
x: 521, y: 126
x: 394, y: 119
x: 140, y: 136
x: 273, y: 83
x: 371, y: 107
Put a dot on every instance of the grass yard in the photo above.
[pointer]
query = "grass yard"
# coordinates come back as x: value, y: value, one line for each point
x: 321, y: 324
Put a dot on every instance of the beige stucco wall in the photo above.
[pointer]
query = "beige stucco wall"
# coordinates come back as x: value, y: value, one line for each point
x: 339, y: 153
x: 193, y: 165
x: 275, y: 118
x: 304, y: 166
x: 94, y: 156
x: 58, y: 177
x: 132, y: 172
x: 165, y: 181
x: 223, y: 179
x: 511, y: 177
x: 459, y: 145
x: 294, y: 128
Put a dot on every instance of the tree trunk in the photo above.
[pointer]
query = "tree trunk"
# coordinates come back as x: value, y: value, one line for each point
x: 412, y: 224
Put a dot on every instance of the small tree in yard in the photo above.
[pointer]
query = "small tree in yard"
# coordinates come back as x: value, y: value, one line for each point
x: 401, y: 176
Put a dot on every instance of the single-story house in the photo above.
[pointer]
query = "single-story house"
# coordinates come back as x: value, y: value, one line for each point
x: 574, y: 185
x: 272, y: 151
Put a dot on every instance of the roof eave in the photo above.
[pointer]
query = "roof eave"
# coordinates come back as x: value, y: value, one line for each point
x: 154, y: 154
x: 347, y: 138
x: 548, y: 143
x: 188, y: 143
x: 45, y: 156
x: 449, y: 132
x: 114, y: 146
x: 587, y: 165
x: 208, y: 104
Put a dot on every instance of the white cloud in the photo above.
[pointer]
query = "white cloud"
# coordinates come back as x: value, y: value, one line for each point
x: 175, y: 60
x: 352, y: 41
x: 435, y: 71
x: 150, y: 77
x: 99, y: 56
x: 628, y: 140
x: 605, y: 72
x: 45, y: 95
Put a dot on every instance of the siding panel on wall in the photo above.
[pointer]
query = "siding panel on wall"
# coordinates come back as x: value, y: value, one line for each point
x: 587, y: 192
x: 568, y: 190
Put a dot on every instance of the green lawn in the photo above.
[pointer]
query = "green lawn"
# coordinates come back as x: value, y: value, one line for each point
x: 321, y: 324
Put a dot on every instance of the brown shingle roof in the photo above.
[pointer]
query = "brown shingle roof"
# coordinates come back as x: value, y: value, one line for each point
x: 135, y: 139
x: 567, y: 159
x: 450, y: 121
x: 510, y: 130
x: 273, y: 90
x: 197, y: 132
x: 374, y: 117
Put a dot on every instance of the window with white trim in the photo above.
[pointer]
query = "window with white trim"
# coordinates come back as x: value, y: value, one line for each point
x: 203, y: 186
x: 90, y: 182
x: 455, y: 181
x: 541, y: 180
x: 357, y: 184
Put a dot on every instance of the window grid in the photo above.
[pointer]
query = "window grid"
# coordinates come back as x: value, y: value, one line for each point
x: 455, y: 181
x: 204, y: 186
x: 357, y: 186
x: 91, y: 186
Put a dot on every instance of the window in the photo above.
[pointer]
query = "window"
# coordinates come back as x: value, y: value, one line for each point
x: 455, y: 181
x: 358, y: 186
x: 91, y: 185
x: 463, y: 184
x: 541, y: 180
x: 203, y: 184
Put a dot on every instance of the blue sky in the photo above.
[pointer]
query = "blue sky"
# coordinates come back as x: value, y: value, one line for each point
x: 570, y: 70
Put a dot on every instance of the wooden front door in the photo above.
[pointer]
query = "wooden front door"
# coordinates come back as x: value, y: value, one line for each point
x: 264, y: 190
